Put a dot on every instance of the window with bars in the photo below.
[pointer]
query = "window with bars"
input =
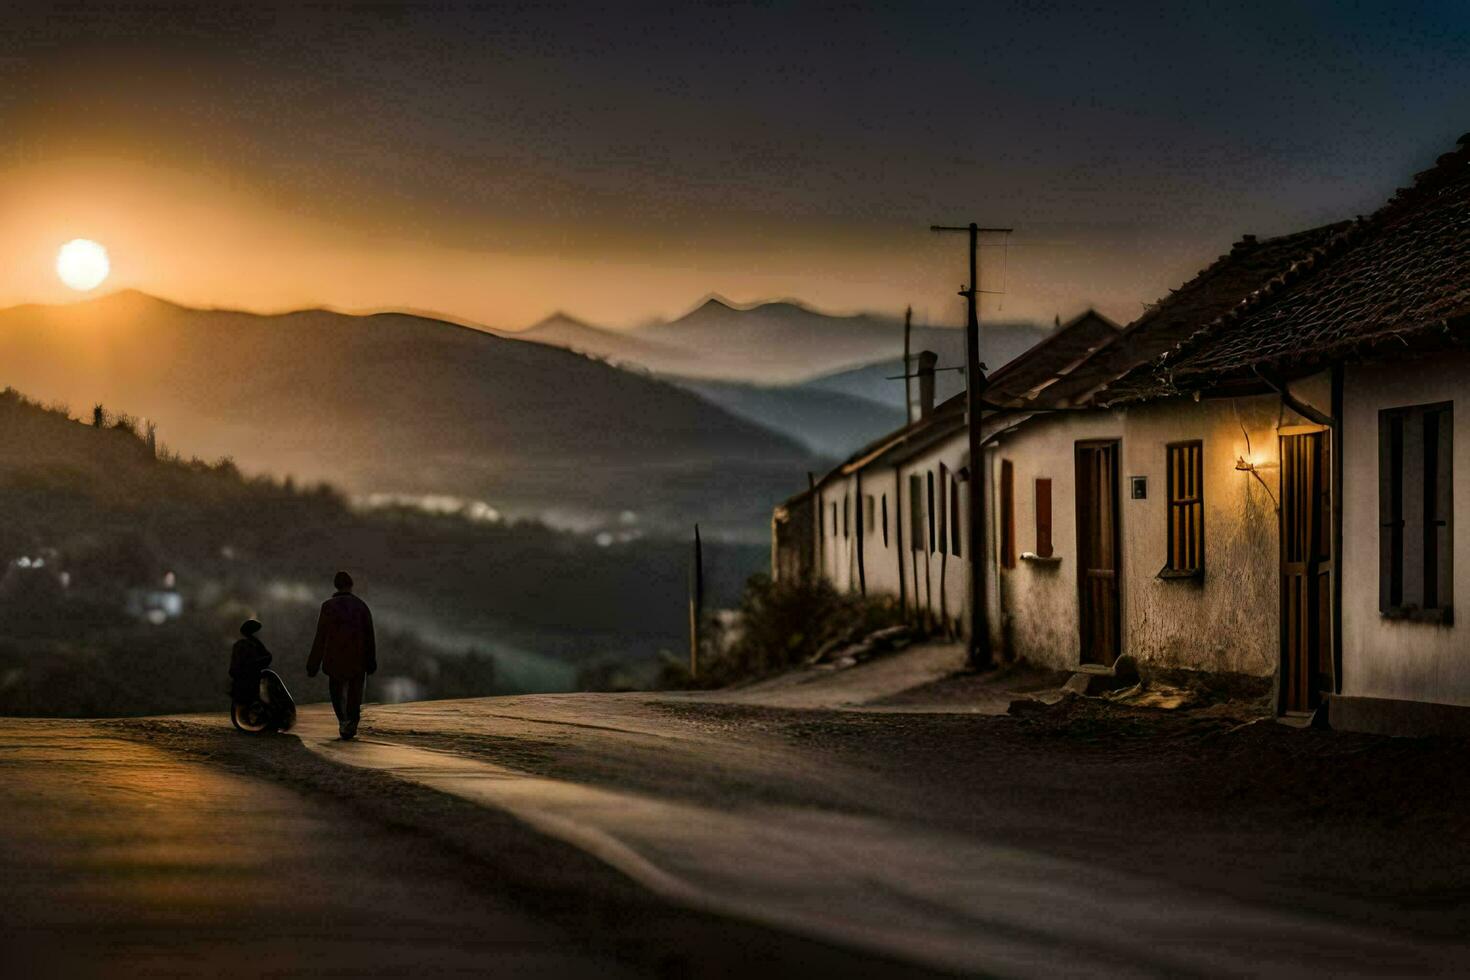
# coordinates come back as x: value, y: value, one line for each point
x: 1415, y: 505
x: 1186, y: 509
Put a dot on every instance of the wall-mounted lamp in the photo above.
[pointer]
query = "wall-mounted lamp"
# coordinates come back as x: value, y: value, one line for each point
x: 1245, y: 467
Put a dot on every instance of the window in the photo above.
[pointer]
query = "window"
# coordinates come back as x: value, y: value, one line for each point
x: 1007, y: 514
x: 869, y: 520
x: 885, y: 520
x: 943, y: 512
x: 954, y: 516
x: 916, y: 512
x: 1415, y: 504
x: 834, y: 518
x: 1043, y: 517
x: 930, y: 477
x: 846, y: 516
x: 1186, y: 508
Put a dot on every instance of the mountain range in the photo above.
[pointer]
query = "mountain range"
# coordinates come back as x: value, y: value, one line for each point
x: 833, y: 383
x: 403, y: 404
x: 779, y: 343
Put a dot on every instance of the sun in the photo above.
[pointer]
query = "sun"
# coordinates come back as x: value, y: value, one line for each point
x: 82, y: 264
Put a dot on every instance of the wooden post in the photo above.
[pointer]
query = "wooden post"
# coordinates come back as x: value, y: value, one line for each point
x: 860, y: 516
x: 908, y: 394
x: 819, y: 555
x: 696, y: 603
x: 980, y: 655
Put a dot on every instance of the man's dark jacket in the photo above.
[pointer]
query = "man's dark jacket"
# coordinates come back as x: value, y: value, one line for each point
x: 344, y: 644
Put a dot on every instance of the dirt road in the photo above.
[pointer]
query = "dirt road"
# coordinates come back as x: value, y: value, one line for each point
x: 120, y: 859
x: 963, y: 843
x: 166, y: 849
x: 718, y: 835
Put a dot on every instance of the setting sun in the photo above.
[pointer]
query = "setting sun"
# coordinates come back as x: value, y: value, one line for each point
x: 82, y: 264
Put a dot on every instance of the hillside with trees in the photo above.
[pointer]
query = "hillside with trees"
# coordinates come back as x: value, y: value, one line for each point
x: 401, y: 404
x: 125, y: 571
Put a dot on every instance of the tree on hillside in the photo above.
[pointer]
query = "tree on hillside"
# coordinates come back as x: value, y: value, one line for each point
x: 99, y: 416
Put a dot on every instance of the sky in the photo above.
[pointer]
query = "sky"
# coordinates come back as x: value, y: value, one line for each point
x: 495, y: 163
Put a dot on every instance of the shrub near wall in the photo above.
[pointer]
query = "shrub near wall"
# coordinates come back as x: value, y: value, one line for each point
x: 780, y: 625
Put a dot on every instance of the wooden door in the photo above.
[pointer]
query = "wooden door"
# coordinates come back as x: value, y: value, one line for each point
x: 1306, y: 571
x: 1098, y: 551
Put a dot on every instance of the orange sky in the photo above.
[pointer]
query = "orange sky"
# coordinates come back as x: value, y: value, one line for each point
x: 498, y: 163
x: 201, y: 241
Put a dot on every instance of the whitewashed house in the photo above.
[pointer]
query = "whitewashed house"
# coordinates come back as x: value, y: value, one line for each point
x: 1378, y: 321
x: 1146, y: 526
x: 1256, y: 476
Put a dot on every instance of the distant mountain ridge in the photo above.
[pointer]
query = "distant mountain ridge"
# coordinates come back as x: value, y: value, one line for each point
x: 831, y: 423
x: 566, y: 331
x: 773, y: 343
x: 402, y: 403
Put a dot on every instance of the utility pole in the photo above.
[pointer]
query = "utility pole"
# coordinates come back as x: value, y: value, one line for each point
x: 696, y: 603
x: 980, y: 655
x: 908, y: 392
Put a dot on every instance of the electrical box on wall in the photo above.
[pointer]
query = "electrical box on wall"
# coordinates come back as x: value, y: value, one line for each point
x: 1140, y: 487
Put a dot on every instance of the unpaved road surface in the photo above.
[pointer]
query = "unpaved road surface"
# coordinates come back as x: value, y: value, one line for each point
x: 718, y: 835
x: 1144, y: 844
x: 122, y: 860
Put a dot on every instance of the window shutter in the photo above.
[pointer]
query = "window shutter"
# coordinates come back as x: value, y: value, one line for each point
x: 1411, y: 497
x: 930, y: 480
x: 1390, y: 475
x: 1043, y: 517
x: 943, y: 512
x: 1007, y: 514
x: 916, y: 512
x: 1444, y: 510
x: 954, y: 516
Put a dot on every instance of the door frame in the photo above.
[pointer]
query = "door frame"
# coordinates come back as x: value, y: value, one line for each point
x: 1323, y: 559
x: 1082, y: 521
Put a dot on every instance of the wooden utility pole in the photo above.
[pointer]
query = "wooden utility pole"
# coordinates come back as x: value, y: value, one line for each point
x: 908, y: 392
x: 980, y: 655
x: 860, y: 515
x: 696, y: 603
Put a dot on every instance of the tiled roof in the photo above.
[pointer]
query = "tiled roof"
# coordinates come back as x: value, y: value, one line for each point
x: 1019, y: 382
x: 1397, y: 281
x: 1218, y: 289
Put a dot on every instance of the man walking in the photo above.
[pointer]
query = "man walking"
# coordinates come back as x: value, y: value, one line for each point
x: 344, y: 647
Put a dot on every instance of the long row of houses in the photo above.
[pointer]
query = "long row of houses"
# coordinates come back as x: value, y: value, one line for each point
x: 1256, y: 476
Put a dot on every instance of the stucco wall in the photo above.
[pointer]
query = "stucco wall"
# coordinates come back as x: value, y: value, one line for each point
x: 838, y: 550
x: 1386, y: 658
x: 880, y: 559
x: 1228, y: 621
x: 1038, y: 600
x: 936, y: 581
